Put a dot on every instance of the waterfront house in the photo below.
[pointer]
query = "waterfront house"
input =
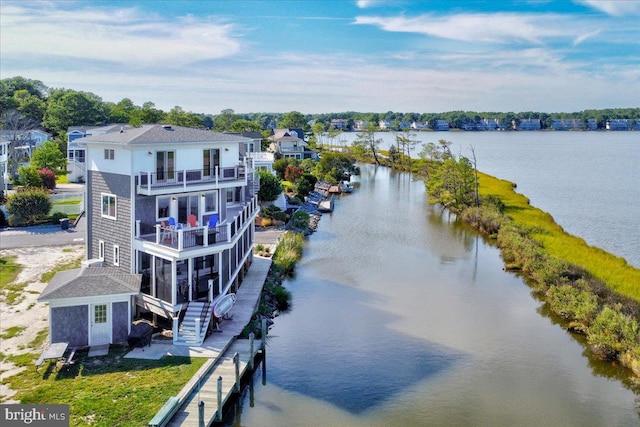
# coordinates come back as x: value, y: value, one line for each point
x: 384, y: 124
x: 175, y: 206
x: 592, y: 124
x: 419, y: 125
x: 618, y: 124
x: 288, y: 143
x: 441, y: 125
x: 360, y: 124
x: 567, y: 124
x: 340, y: 124
x: 528, y: 124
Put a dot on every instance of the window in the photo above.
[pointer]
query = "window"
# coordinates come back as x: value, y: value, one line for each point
x: 109, y: 206
x: 116, y: 255
x: 210, y: 160
x: 165, y: 165
x: 109, y: 154
x: 162, y: 209
x: 101, y: 249
x: 210, y: 202
x: 100, y: 313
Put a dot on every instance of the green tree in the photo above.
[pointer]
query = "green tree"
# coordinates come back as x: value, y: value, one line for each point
x: 335, y: 166
x: 366, y: 141
x: 225, y: 120
x: 613, y: 333
x: 242, y: 125
x: 280, y: 166
x: 30, y: 105
x: 50, y: 157
x: 123, y: 111
x: 293, y: 120
x: 270, y: 187
x: 10, y: 86
x: 147, y: 114
x: 177, y: 116
x: 66, y: 107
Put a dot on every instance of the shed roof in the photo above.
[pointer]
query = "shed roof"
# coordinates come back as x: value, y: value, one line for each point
x: 91, y: 281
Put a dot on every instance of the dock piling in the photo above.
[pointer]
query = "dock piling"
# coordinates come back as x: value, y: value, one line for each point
x: 201, y: 414
x: 251, y: 338
x: 236, y: 362
x: 219, y: 410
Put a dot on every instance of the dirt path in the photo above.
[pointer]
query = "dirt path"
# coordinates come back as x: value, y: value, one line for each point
x: 25, y: 314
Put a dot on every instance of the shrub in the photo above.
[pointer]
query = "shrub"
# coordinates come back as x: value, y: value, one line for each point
x: 3, y: 220
x: 29, y: 176
x: 612, y: 333
x: 28, y: 206
x: 573, y: 304
x: 288, y: 252
x: 48, y: 178
x: 56, y: 217
x: 300, y: 219
x: 487, y: 219
x: 282, y: 297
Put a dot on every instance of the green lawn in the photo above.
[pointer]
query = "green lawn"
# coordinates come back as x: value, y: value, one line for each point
x: 9, y: 270
x: 106, y: 391
x: 610, y: 269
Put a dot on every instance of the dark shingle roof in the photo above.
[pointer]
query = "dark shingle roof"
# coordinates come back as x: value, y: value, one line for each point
x: 147, y: 134
x: 91, y: 281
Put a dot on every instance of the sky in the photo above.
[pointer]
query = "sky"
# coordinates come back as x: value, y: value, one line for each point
x: 326, y: 56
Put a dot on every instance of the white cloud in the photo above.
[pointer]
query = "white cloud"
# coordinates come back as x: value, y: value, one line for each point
x: 126, y: 36
x: 614, y: 7
x: 503, y: 28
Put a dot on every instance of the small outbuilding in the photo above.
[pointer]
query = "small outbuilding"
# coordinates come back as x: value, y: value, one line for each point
x: 91, y: 306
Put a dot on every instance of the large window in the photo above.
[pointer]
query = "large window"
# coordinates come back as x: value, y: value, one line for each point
x: 109, y: 206
x: 210, y: 202
x: 162, y: 210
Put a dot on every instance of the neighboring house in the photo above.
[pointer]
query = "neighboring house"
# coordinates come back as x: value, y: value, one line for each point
x: 177, y: 207
x: 76, y: 153
x: 592, y: 124
x: 488, y: 124
x: 529, y: 124
x: 384, y: 124
x: 25, y: 143
x: 288, y: 143
x: 252, y: 150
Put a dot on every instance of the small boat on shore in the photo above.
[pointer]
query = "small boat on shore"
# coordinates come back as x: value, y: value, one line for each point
x: 326, y: 205
x: 223, y: 305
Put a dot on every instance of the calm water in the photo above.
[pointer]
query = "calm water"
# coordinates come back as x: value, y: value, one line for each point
x: 402, y: 318
x: 588, y: 181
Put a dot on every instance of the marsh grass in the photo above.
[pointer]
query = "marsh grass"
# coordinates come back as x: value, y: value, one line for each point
x: 614, y: 271
x: 104, y: 391
x: 11, y: 332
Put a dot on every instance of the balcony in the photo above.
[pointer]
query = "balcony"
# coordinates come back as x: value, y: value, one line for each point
x: 184, y: 241
x: 171, y: 181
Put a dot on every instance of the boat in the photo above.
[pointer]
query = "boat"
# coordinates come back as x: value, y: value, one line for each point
x: 346, y: 187
x: 326, y: 205
x: 223, y: 305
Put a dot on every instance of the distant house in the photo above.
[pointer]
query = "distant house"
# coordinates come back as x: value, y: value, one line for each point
x: 360, y: 124
x: 528, y: 124
x: 441, y: 125
x: 592, y: 124
x: 25, y: 142
x: 419, y: 125
x: 4, y: 160
x: 339, y: 124
x: 618, y: 124
x: 288, y: 143
x: 171, y: 217
x: 384, y: 124
x: 488, y: 124
x: 567, y: 124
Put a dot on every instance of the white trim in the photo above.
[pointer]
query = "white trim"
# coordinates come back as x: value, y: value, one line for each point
x: 101, y: 250
x: 116, y: 255
x: 115, y: 205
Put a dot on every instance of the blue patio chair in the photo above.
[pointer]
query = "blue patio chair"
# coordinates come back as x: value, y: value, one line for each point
x: 172, y: 222
x: 213, y: 220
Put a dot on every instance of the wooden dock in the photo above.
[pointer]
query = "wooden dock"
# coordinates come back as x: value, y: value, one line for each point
x: 222, y: 376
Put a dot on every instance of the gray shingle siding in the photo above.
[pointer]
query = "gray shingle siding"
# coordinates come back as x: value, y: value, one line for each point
x: 146, y: 211
x: 112, y: 232
x: 120, y: 318
x: 70, y: 324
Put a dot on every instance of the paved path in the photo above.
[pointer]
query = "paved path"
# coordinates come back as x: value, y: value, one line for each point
x: 43, y: 235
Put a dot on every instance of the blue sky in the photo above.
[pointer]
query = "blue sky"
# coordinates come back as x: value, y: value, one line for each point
x: 332, y: 55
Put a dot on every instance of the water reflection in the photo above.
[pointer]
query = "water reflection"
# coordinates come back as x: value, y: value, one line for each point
x: 358, y: 362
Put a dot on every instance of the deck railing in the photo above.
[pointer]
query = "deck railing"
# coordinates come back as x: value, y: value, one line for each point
x: 185, y: 238
x: 185, y: 177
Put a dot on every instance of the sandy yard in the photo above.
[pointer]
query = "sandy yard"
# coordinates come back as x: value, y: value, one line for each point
x: 26, y: 312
